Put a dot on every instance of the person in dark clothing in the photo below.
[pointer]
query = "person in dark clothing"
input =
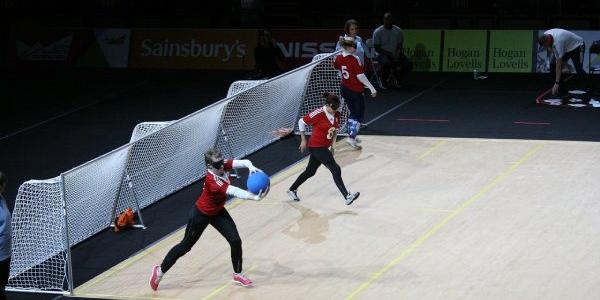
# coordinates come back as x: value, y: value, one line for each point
x: 267, y: 56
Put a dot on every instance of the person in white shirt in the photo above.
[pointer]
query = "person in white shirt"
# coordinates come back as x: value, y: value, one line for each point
x: 351, y: 30
x: 565, y: 46
x: 388, y: 41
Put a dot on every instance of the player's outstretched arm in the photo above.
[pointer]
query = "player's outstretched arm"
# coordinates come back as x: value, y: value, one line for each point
x: 245, y: 163
x: 364, y: 80
x: 243, y: 194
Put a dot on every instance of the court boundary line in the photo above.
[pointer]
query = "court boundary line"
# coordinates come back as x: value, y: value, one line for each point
x: 433, y: 230
x: 423, y: 92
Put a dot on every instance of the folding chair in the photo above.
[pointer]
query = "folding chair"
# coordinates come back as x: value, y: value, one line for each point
x: 594, y: 66
x: 371, y: 55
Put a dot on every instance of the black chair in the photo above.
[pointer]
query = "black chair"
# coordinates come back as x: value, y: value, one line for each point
x: 594, y: 53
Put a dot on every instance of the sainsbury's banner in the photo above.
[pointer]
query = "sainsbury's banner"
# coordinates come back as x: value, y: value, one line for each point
x: 193, y: 49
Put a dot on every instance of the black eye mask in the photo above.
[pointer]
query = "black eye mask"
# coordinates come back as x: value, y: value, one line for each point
x: 218, y: 164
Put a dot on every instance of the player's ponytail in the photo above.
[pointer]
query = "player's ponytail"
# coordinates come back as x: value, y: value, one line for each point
x: 332, y: 100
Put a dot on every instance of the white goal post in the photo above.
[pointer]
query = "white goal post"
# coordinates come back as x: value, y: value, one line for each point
x: 51, y: 216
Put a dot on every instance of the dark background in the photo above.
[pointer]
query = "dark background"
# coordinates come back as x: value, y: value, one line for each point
x: 451, y: 14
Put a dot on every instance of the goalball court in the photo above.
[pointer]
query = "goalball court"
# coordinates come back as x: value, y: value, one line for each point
x: 438, y: 218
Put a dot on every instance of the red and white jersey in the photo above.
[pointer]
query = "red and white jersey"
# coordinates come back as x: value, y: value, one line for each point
x: 324, y: 125
x: 213, y: 196
x: 350, y: 67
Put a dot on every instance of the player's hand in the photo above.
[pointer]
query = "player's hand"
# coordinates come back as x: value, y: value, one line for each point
x: 254, y: 169
x: 374, y: 93
x: 555, y: 89
x: 302, y: 146
x: 262, y: 194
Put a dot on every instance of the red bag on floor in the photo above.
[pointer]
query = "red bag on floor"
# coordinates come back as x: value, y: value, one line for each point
x: 125, y: 220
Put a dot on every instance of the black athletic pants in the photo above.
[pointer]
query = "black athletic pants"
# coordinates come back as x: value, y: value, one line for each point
x: 195, y: 226
x: 4, y: 273
x: 576, y: 56
x: 318, y: 156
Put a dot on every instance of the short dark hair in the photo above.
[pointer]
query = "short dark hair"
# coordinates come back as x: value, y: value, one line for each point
x: 542, y: 39
x: 210, y: 155
x: 388, y: 15
x: 332, y: 100
x: 348, y: 24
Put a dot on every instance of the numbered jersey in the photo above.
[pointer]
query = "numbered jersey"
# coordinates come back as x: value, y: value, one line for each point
x: 324, y: 127
x: 350, y: 67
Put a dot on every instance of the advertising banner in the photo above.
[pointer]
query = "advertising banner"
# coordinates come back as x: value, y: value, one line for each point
x: 300, y: 45
x: 544, y: 57
x: 108, y: 48
x: 422, y: 47
x: 193, y: 49
x: 510, y: 51
x: 464, y: 50
x: 33, y: 46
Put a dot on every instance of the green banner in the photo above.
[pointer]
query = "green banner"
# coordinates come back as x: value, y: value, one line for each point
x: 422, y: 47
x: 510, y: 51
x: 464, y: 50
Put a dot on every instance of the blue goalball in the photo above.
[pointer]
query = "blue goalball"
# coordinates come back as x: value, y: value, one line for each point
x: 258, y: 181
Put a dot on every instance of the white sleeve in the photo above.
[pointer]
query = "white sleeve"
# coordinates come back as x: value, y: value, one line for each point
x: 363, y: 78
x: 237, y: 192
x: 301, y: 125
x: 242, y: 163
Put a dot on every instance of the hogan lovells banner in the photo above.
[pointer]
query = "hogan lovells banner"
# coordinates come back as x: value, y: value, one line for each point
x: 193, y: 49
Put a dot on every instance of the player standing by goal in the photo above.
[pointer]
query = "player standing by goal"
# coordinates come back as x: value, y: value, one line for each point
x: 325, y: 122
x: 352, y: 88
x: 210, y: 209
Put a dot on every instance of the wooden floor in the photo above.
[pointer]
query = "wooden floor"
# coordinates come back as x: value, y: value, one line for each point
x: 437, y: 219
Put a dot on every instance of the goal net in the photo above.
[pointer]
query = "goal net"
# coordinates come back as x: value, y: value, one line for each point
x: 51, y: 216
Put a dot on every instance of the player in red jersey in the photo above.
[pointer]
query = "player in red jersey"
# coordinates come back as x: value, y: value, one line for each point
x: 325, y: 122
x: 352, y: 88
x: 210, y: 209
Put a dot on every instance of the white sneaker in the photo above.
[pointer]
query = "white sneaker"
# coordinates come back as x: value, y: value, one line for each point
x: 351, y: 197
x: 293, y: 195
x: 352, y: 142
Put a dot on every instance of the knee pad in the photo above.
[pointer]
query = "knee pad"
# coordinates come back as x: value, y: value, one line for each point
x: 352, y: 128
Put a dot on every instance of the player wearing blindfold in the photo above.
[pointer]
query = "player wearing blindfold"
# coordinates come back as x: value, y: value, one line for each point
x: 210, y: 209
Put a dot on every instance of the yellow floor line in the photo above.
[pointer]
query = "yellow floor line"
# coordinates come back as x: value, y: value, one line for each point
x: 278, y: 177
x: 106, y: 296
x: 431, y: 149
x: 461, y: 208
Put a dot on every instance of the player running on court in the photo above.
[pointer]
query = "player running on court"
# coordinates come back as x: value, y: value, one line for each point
x: 352, y: 88
x: 325, y: 122
x: 210, y: 209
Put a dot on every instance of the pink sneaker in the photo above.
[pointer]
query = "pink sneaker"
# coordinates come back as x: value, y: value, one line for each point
x: 155, y: 277
x: 241, y: 279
